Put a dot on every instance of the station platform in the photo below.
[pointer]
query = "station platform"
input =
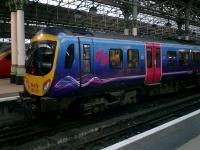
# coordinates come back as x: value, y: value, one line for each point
x: 181, y: 134
x: 7, y: 89
x: 193, y: 144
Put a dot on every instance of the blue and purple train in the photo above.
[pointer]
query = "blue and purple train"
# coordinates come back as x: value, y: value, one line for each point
x: 105, y: 70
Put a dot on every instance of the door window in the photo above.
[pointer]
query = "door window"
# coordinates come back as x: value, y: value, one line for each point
x: 158, y: 63
x: 149, y: 57
x: 86, y: 58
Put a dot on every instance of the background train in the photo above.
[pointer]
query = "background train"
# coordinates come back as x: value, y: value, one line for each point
x: 95, y: 72
x: 5, y: 61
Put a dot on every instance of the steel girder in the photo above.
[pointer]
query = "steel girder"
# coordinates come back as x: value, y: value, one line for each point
x: 39, y: 15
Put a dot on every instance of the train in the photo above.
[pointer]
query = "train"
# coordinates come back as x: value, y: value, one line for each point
x: 95, y: 72
x: 5, y: 62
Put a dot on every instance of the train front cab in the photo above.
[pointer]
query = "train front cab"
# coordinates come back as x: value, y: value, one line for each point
x: 40, y: 64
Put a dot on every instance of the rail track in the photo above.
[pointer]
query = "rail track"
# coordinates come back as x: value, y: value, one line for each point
x: 98, y: 130
x: 137, y: 124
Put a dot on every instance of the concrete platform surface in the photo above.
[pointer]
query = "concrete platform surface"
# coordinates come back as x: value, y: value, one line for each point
x: 8, y: 89
x: 182, y: 133
x: 193, y: 144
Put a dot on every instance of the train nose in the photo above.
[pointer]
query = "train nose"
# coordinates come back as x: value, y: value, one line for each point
x: 37, y: 85
x: 32, y: 87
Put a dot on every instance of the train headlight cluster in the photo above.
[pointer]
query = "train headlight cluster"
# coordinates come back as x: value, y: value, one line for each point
x: 46, y: 86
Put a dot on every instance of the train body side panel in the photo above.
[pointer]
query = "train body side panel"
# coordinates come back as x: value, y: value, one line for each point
x: 172, y: 73
x: 102, y: 77
x: 117, y: 78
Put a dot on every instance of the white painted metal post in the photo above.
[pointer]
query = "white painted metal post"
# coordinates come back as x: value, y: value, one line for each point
x: 187, y: 21
x: 20, y: 47
x: 126, y: 31
x: 134, y: 31
x: 135, y: 14
x: 126, y: 20
x: 13, y: 46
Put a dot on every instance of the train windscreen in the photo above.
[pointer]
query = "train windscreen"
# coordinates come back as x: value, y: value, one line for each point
x: 40, y: 56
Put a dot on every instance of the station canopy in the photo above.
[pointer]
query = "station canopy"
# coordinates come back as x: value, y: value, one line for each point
x: 155, y: 17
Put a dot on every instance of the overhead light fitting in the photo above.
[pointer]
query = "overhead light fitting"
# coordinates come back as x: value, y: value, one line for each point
x: 168, y: 24
x: 154, y: 25
x: 93, y: 10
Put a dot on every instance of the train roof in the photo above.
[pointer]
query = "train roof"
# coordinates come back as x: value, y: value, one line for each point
x: 85, y: 32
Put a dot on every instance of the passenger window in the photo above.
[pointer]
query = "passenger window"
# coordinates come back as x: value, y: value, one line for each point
x: 8, y: 57
x: 183, y: 58
x: 116, y: 58
x: 69, y: 58
x: 195, y: 58
x: 171, y: 58
x: 86, y: 58
x: 149, y: 57
x: 133, y: 58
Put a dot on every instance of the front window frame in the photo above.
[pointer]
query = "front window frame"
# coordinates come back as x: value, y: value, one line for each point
x: 34, y: 64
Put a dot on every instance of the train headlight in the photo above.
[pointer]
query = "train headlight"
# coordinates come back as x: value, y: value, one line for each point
x: 26, y: 83
x: 46, y: 86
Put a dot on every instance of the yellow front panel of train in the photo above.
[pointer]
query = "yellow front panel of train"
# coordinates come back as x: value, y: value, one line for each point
x: 37, y: 85
x: 34, y: 84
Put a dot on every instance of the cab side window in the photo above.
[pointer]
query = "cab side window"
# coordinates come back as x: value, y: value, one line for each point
x: 69, y: 57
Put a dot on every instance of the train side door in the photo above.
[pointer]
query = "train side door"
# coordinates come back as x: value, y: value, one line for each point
x: 158, y: 63
x: 86, y: 61
x: 153, y: 63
